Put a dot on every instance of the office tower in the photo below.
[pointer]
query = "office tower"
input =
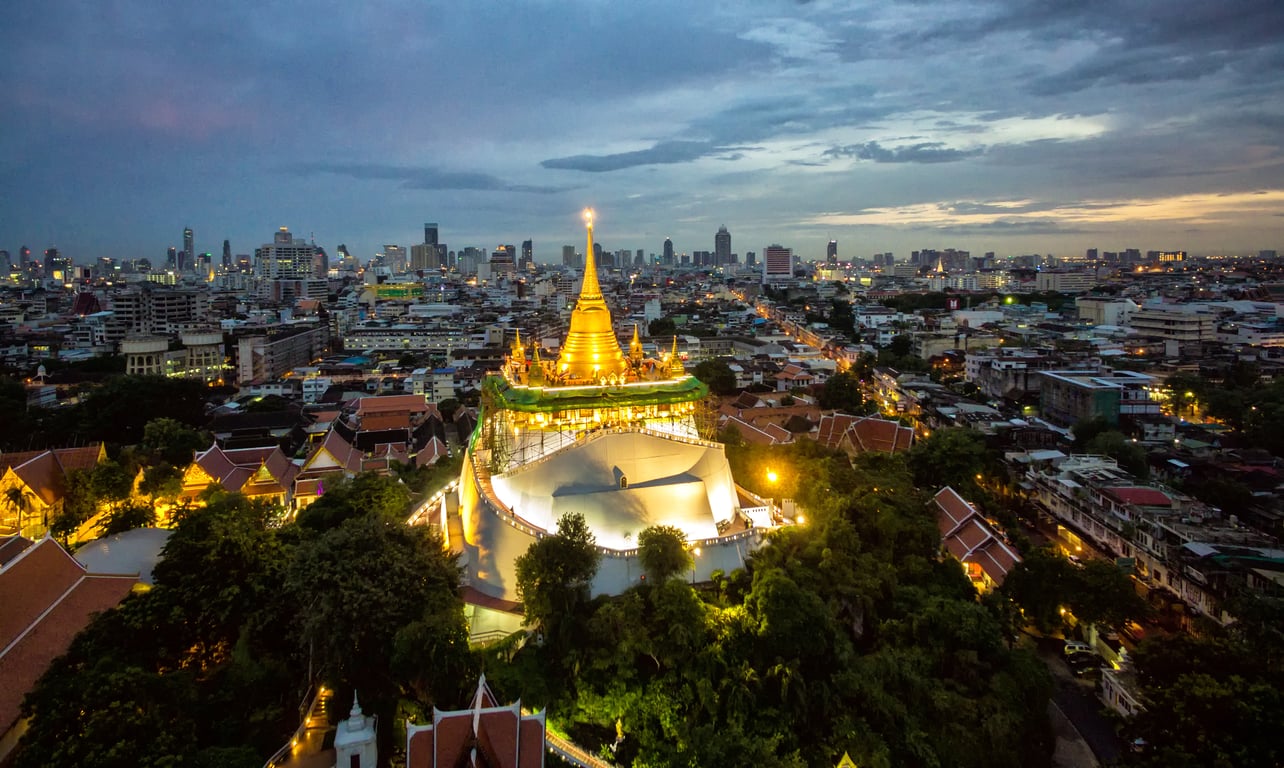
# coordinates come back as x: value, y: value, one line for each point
x: 528, y: 255
x: 751, y: 259
x: 668, y: 252
x: 5, y: 262
x: 227, y: 255
x: 503, y: 261
x: 189, y: 247
x: 285, y: 258
x: 777, y: 263
x: 722, y: 247
x: 394, y: 258
x: 52, y: 257
x: 569, y: 258
x: 425, y: 257
x: 1267, y: 254
x: 1092, y: 254
x: 320, y: 262
x: 831, y: 252
x: 171, y: 258
x: 430, y: 233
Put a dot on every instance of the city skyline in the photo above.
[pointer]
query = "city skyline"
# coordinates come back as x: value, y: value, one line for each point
x: 1008, y: 126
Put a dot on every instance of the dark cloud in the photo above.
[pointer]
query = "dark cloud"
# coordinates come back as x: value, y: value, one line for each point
x: 423, y: 178
x: 1015, y: 227
x: 663, y: 153
x: 926, y: 152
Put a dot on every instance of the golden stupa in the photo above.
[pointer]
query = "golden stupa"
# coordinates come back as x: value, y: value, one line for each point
x: 591, y: 352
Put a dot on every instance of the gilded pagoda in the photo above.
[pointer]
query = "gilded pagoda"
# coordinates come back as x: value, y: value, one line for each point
x: 605, y: 433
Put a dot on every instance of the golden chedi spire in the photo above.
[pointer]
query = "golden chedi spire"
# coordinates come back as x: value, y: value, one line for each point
x: 676, y: 369
x: 635, y: 347
x: 591, y: 351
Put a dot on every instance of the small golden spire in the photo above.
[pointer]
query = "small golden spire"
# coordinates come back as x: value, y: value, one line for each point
x: 676, y: 368
x: 635, y: 346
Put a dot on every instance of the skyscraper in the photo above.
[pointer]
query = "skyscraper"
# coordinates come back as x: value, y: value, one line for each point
x: 227, y: 255
x: 189, y: 247
x: 569, y: 257
x: 171, y: 258
x: 831, y: 253
x: 777, y: 263
x: 722, y: 247
x: 430, y: 233
x: 668, y: 252
x: 528, y: 256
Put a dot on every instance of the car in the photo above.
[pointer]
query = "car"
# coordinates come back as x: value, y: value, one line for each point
x: 1073, y: 647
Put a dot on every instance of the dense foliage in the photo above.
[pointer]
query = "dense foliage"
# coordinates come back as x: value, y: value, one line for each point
x: 209, y: 666
x: 1214, y: 700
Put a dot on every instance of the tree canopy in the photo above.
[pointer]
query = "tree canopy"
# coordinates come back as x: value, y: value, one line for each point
x: 662, y: 549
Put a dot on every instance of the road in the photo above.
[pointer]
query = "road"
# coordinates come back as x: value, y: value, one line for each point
x: 1077, y: 698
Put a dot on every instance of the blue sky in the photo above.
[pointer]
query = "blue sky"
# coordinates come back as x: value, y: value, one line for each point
x: 1017, y: 126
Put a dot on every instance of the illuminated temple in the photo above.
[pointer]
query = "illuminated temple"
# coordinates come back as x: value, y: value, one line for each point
x: 606, y: 432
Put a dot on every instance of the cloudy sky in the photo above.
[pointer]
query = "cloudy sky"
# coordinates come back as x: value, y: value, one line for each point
x: 1017, y: 126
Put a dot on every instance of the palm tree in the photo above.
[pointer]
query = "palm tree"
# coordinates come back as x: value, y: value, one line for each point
x: 18, y: 499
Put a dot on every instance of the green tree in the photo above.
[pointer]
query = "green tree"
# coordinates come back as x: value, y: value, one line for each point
x: 1042, y: 584
x: 555, y: 573
x: 371, y: 594
x: 170, y: 441
x: 366, y: 494
x: 952, y: 457
x: 79, y: 503
x: 1104, y: 594
x: 661, y: 326
x: 126, y: 516
x: 843, y: 391
x: 717, y: 375
x: 662, y: 550
x: 163, y: 481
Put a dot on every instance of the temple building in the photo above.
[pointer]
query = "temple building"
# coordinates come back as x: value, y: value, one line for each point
x: 609, y: 433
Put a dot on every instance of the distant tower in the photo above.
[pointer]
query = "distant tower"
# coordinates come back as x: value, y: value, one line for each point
x: 171, y: 258
x: 430, y: 233
x: 722, y: 247
x: 528, y: 256
x: 227, y: 255
x: 668, y: 252
x: 189, y: 247
x: 831, y: 253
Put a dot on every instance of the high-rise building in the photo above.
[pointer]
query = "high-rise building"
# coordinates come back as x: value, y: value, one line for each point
x: 777, y: 263
x: 569, y: 257
x: 831, y: 252
x: 722, y: 247
x: 227, y: 255
x: 502, y: 261
x: 171, y: 258
x: 751, y: 259
x: 528, y: 256
x: 395, y: 258
x: 667, y: 259
x: 189, y: 247
x: 430, y: 233
x: 5, y: 263
x: 425, y: 257
x: 286, y: 268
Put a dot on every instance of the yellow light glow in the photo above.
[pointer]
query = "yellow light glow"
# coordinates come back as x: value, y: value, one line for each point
x: 696, y: 551
x: 772, y: 476
x: 588, y: 216
x: 802, y: 519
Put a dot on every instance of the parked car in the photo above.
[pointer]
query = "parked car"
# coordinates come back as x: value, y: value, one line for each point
x: 1073, y: 647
